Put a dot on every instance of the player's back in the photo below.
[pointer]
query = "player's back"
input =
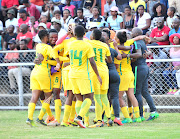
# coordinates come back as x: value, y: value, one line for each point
x: 79, y: 52
x: 101, y: 50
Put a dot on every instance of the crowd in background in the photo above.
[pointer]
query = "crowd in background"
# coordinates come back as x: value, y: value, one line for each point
x: 21, y: 20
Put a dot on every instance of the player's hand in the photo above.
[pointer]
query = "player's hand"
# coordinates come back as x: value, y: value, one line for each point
x: 58, y: 65
x: 115, y: 44
x: 147, y: 40
x: 123, y: 55
x: 145, y: 55
x: 37, y: 61
x: 100, y: 80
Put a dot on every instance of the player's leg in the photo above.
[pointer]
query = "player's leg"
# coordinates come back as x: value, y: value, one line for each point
x: 130, y: 109
x: 72, y: 112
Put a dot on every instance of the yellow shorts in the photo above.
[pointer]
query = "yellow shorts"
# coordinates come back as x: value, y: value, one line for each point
x: 105, y: 80
x: 57, y: 80
x: 41, y: 82
x: 65, y: 80
x: 81, y: 86
x: 127, y: 81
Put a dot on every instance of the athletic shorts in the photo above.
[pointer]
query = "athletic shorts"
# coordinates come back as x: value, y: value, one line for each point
x: 65, y: 80
x: 81, y: 86
x: 105, y: 80
x: 57, y: 80
x: 41, y: 82
x: 127, y: 81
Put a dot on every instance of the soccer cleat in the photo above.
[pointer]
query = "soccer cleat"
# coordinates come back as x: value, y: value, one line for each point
x: 127, y: 120
x: 112, y: 117
x: 41, y: 122
x: 72, y: 122
x: 153, y: 116
x: 142, y: 119
x: 49, y: 119
x: 79, y: 122
x: 30, y: 122
x: 99, y: 124
x: 131, y: 115
x: 66, y: 124
x: 118, y: 121
x: 137, y: 120
x: 53, y: 123
x: 95, y: 121
x: 109, y: 122
x: 86, y: 124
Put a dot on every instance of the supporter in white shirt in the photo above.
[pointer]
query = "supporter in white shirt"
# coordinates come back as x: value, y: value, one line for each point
x: 1, y: 25
x: 109, y: 4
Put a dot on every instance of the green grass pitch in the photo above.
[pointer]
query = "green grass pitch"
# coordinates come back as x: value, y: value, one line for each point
x: 13, y: 125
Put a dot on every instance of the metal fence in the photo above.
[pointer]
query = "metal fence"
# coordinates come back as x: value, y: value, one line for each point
x: 15, y: 81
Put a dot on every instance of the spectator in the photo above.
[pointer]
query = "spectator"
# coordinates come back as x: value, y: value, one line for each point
x: 25, y: 34
x: 44, y: 19
x: 76, y: 3
x: 42, y: 26
x: 175, y: 26
x: 109, y: 4
x: 67, y: 19
x: 80, y: 19
x: 31, y: 9
x: 142, y: 19
x: 171, y: 16
x: 92, y: 26
x: 128, y: 19
x: 135, y: 3
x: 57, y: 14
x: 11, y: 20
x: 150, y: 5
x: 115, y: 21
x: 96, y: 17
x: 33, y: 25
x: 8, y: 4
x: 176, y: 4
x: 121, y: 4
x: 46, y: 11
x: 57, y: 25
x: 1, y: 26
x: 52, y: 6
x: 160, y: 34
x: 38, y: 3
x: 12, y: 58
x: 170, y: 72
x: 9, y: 36
x: 87, y: 6
x: 71, y: 8
x: 60, y: 4
x: 24, y: 19
x: 159, y: 10
x: 165, y: 3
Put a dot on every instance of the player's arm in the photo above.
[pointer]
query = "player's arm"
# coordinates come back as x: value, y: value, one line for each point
x: 141, y: 37
x: 39, y: 58
x: 136, y: 55
x: 119, y: 57
x: 93, y: 65
x: 122, y: 47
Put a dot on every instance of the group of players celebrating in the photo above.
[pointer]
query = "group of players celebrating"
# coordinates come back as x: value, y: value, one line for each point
x: 98, y: 68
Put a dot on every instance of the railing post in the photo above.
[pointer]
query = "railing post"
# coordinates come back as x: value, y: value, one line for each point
x: 20, y: 86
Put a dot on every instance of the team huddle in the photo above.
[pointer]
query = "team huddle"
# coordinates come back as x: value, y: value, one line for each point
x: 98, y: 69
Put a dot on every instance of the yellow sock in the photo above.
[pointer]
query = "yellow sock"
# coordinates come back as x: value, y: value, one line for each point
x: 86, y: 117
x: 43, y: 110
x: 58, y: 109
x: 78, y: 106
x: 67, y: 110
x: 125, y: 112
x: 73, y: 111
x: 98, y: 106
x: 112, y: 110
x: 136, y: 112
x: 41, y: 101
x: 49, y: 113
x: 130, y: 110
x: 85, y: 107
x: 143, y: 112
x: 105, y: 101
x: 31, y: 108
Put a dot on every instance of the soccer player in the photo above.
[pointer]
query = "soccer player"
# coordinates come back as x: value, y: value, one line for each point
x: 40, y: 79
x: 69, y: 110
x: 81, y: 56
x: 114, y: 79
x: 102, y: 54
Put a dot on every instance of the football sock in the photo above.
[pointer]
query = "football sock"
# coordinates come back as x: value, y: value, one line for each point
x: 98, y: 106
x: 112, y: 110
x: 86, y: 117
x: 49, y: 113
x: 41, y: 101
x: 85, y: 107
x: 58, y: 109
x: 78, y: 106
x: 67, y: 111
x: 105, y: 101
x: 130, y: 110
x: 136, y: 112
x: 31, y: 108
x: 43, y: 110
x: 125, y: 112
x: 73, y: 111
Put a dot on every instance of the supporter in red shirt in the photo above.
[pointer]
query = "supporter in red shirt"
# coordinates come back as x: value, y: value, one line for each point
x: 43, y: 19
x: 24, y: 19
x: 37, y: 2
x: 31, y: 9
x: 160, y: 35
x: 25, y: 34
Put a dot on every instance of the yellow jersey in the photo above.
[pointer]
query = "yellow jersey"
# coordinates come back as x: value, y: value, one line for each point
x: 79, y: 52
x: 101, y: 50
x: 134, y: 5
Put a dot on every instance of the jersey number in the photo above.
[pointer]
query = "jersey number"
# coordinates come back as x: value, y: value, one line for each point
x: 100, y: 51
x: 74, y: 56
